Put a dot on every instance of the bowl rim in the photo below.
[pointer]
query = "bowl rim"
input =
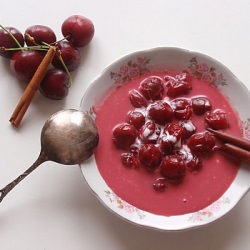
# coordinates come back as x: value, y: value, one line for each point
x: 163, y: 223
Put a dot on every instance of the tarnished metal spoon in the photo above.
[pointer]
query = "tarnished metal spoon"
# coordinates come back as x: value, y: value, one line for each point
x: 68, y: 137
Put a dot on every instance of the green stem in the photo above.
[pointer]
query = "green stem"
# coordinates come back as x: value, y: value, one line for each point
x: 18, y: 44
x: 65, y: 68
x: 63, y: 63
x: 40, y: 47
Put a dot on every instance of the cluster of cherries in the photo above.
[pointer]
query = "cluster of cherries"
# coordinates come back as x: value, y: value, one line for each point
x: 159, y: 133
x: 27, y: 51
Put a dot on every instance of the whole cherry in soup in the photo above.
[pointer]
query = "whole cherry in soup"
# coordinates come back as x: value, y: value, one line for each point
x: 201, y: 143
x: 201, y: 105
x: 152, y: 88
x: 217, y: 119
x: 173, y: 167
x: 136, y: 118
x: 124, y: 135
x: 160, y: 112
x: 78, y: 30
x: 178, y: 85
x: 137, y: 99
x: 182, y: 108
x: 150, y: 156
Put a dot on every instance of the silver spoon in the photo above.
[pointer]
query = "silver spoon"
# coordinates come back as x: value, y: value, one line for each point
x: 68, y: 137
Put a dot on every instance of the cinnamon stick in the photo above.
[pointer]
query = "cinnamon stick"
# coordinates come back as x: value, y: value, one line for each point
x: 232, y: 139
x: 32, y: 87
x: 236, y: 152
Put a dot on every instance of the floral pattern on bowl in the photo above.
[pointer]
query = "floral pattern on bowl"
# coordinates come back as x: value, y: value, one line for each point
x: 172, y: 59
x: 128, y: 208
x: 206, y: 73
x: 209, y: 211
x: 131, y: 70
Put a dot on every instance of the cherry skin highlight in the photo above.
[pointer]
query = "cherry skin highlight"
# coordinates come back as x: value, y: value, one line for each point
x: 124, y: 135
x: 135, y: 118
x: 152, y: 88
x: 202, y: 143
x: 137, y: 99
x: 150, y: 156
x: 78, y: 30
x: 173, y: 167
x: 217, y: 119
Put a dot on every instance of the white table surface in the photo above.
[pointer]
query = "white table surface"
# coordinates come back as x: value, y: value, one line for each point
x: 54, y: 208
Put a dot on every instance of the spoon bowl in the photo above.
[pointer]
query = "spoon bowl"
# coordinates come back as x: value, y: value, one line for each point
x: 68, y: 137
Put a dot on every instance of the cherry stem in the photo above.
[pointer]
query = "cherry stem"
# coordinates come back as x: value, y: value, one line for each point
x: 65, y: 67
x: 13, y: 37
x: 64, y: 38
x: 36, y: 47
x: 31, y: 38
x: 4, y: 191
x: 43, y: 47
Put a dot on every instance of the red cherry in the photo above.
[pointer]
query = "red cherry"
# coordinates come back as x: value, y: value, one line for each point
x: 175, y: 130
x: 25, y: 63
x: 149, y: 133
x: 6, y: 41
x: 193, y: 162
x: 166, y: 145
x: 134, y: 149
x: 160, y: 112
x: 124, y: 135
x: 40, y: 33
x: 201, y: 105
x: 135, y: 118
x: 70, y: 55
x: 173, y: 167
x: 182, y: 108
x: 178, y: 85
x: 137, y: 99
x: 188, y: 129
x: 152, y: 88
x: 150, y: 156
x: 78, y: 30
x: 160, y: 185
x: 55, y: 84
x: 129, y: 160
x: 185, y: 77
x: 217, y: 119
x: 201, y: 143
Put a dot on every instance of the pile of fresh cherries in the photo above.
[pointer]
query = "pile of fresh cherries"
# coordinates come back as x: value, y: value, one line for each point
x: 27, y: 51
x: 159, y: 134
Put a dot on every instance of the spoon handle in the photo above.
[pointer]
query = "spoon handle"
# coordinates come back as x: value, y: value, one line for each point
x: 4, y: 191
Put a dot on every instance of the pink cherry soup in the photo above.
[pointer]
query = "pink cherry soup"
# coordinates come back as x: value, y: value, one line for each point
x: 154, y: 150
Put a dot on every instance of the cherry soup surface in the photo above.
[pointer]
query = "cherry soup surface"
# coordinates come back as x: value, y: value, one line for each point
x: 166, y: 163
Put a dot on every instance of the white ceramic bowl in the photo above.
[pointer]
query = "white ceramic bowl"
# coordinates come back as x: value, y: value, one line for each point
x: 172, y: 59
